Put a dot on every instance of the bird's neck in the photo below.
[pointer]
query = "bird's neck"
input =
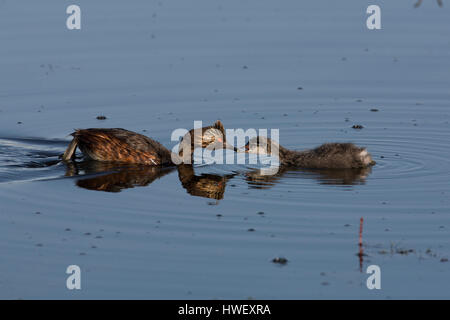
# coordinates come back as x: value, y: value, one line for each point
x: 284, y: 152
x: 290, y: 157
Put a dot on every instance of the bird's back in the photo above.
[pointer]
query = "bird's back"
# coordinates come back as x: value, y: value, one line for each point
x: 121, y: 145
x: 332, y: 156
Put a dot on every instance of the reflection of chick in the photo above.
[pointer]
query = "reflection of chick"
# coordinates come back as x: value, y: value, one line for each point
x: 206, y: 185
x: 323, y: 176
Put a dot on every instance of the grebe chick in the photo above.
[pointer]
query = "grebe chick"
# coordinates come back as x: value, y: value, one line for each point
x: 326, y: 156
x: 120, y: 145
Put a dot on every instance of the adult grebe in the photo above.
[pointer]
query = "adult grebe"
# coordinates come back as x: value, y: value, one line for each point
x: 326, y: 156
x: 120, y: 145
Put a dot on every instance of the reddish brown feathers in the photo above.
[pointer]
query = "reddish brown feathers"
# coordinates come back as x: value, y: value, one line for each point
x: 120, y: 145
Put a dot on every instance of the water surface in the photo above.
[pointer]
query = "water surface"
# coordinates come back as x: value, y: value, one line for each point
x: 312, y: 70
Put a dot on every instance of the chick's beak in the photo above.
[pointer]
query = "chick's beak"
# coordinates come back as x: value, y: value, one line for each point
x: 230, y: 147
x: 244, y: 149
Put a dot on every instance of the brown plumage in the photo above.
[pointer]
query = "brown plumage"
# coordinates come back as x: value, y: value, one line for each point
x: 211, y: 136
x: 326, y: 156
x: 120, y: 145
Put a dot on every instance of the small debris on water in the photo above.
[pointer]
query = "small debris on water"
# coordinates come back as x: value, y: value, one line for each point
x: 101, y: 118
x: 357, y: 126
x: 280, y: 260
x: 405, y: 251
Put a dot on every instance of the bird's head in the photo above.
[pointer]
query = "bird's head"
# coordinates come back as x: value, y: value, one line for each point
x: 207, y: 137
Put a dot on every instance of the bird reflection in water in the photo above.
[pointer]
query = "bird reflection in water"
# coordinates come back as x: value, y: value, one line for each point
x: 113, y: 177
x: 205, y: 185
x: 257, y: 180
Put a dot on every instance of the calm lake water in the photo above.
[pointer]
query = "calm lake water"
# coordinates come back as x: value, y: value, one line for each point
x: 311, y: 69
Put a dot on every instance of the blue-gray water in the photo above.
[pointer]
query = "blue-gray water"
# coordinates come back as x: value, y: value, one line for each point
x: 157, y: 66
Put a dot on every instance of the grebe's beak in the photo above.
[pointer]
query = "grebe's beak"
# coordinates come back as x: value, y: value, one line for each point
x: 230, y: 147
x: 244, y: 149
